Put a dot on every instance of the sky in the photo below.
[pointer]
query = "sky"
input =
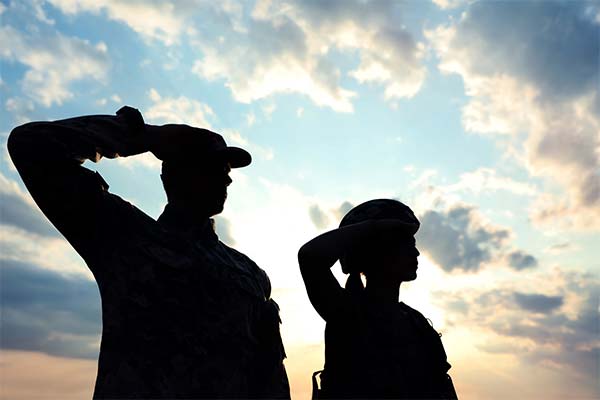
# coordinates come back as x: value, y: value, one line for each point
x: 482, y: 116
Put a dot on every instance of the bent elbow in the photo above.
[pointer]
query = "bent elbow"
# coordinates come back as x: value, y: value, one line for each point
x: 14, y: 142
x: 16, y: 139
x: 303, y: 256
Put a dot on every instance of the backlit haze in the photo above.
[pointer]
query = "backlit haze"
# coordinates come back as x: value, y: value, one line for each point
x: 484, y: 117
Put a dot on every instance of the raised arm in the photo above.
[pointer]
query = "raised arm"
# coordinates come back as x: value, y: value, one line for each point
x: 48, y: 156
x: 318, y: 255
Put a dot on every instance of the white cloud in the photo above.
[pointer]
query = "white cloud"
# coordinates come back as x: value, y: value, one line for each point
x: 487, y: 179
x: 536, y: 86
x: 145, y: 160
x: 169, y: 110
x: 178, y: 110
x: 21, y: 109
x: 447, y: 4
x: 151, y: 19
x: 250, y: 118
x: 268, y: 110
x: 48, y: 77
x: 281, y: 47
x: 287, y: 47
x: 235, y: 138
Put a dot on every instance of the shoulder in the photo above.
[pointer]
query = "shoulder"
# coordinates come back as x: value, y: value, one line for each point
x: 251, y: 267
x: 127, y: 214
x: 419, y: 320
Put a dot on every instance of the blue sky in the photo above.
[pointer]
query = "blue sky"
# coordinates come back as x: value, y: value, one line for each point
x: 484, y: 117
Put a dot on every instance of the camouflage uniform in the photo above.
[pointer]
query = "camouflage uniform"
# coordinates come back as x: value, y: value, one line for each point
x: 377, y: 350
x: 184, y: 315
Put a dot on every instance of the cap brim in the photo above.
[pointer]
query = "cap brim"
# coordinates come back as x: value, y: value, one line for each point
x: 237, y: 158
x: 411, y: 228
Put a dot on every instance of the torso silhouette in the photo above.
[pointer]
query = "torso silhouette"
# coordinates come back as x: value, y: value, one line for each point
x: 380, y: 350
x: 183, y: 314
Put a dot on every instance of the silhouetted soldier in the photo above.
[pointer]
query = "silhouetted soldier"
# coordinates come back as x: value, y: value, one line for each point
x: 375, y: 347
x: 183, y: 314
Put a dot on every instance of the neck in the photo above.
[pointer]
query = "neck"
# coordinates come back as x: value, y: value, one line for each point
x: 193, y: 214
x: 182, y: 218
x: 385, y: 291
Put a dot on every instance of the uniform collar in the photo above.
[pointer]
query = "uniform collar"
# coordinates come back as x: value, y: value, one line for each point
x: 177, y: 220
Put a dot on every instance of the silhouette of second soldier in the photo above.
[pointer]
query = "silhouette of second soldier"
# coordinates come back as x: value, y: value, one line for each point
x: 183, y: 314
x: 375, y: 346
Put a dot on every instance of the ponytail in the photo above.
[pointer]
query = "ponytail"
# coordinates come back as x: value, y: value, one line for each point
x: 354, y: 283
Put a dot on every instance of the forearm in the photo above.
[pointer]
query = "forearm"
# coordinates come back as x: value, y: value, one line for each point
x: 324, y: 250
x: 77, y: 139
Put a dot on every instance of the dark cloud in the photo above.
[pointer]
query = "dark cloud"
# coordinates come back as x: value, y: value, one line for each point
x: 458, y: 238
x: 560, y: 247
x: 566, y: 337
x: 551, y: 43
x: 538, y: 78
x: 520, y: 260
x: 223, y: 229
x: 345, y: 207
x: 538, y: 302
x: 17, y: 212
x: 343, y: 210
x: 455, y: 239
x: 45, y: 311
x: 318, y: 217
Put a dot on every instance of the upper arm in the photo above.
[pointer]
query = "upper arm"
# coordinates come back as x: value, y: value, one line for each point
x: 324, y: 292
x: 72, y: 197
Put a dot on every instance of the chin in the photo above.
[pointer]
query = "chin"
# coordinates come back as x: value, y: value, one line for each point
x: 410, y: 277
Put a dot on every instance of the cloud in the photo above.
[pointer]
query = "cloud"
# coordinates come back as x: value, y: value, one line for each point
x: 330, y: 217
x: 178, y: 110
x: 155, y: 20
x: 343, y: 210
x: 560, y: 248
x: 280, y: 46
x: 169, y: 110
x: 288, y: 46
x: 519, y: 260
x: 318, y: 217
x: 21, y: 108
x: 537, y: 82
x: 487, y: 180
x: 447, y: 4
x: 233, y: 137
x: 45, y: 311
x: 18, y: 210
x: 458, y: 238
x: 538, y: 303
x: 223, y: 229
x: 555, y: 327
x: 48, y: 78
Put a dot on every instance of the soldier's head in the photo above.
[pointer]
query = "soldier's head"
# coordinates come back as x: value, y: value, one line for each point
x: 384, y: 258
x: 197, y: 177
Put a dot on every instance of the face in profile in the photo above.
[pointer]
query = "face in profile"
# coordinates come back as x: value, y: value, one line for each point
x: 399, y: 259
x: 199, y: 188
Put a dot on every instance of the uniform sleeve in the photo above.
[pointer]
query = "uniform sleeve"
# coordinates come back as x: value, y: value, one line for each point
x: 49, y: 158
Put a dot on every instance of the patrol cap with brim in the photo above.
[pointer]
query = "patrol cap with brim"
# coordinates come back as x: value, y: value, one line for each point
x: 206, y: 146
x: 383, y: 209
